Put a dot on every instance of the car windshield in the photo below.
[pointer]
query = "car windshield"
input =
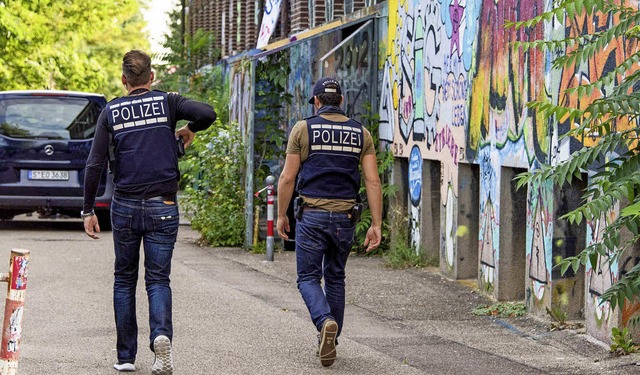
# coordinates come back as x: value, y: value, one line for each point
x: 39, y: 117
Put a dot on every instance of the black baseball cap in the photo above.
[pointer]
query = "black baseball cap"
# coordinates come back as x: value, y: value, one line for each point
x: 325, y: 85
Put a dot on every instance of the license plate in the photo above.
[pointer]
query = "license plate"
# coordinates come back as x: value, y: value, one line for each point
x: 49, y: 175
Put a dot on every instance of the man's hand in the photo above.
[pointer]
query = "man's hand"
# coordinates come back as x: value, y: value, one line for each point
x: 283, y: 226
x: 187, y: 135
x: 91, y: 226
x: 373, y: 238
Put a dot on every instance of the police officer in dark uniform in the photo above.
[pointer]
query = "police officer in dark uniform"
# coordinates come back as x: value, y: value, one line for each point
x: 327, y: 151
x: 138, y: 134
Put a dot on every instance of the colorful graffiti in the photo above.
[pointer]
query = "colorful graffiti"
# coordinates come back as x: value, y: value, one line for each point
x: 351, y: 64
x: 415, y: 197
x: 424, y: 91
x: 300, y: 83
x: 458, y: 108
x: 453, y: 89
x: 598, y: 65
x: 504, y: 80
x: 539, y: 248
x: 599, y: 278
x: 240, y: 100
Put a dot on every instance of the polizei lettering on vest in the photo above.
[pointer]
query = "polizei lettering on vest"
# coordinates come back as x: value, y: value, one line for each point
x: 336, y: 137
x: 137, y: 111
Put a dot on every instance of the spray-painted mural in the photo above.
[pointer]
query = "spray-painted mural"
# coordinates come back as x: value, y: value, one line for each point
x: 456, y: 108
x: 424, y: 89
x: 600, y: 318
x: 240, y: 101
x: 351, y: 64
x: 539, y: 247
x: 452, y: 89
x: 300, y: 85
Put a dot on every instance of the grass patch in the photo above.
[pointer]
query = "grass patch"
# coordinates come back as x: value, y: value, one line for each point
x: 259, y: 248
x: 401, y: 254
x: 501, y: 309
x: 404, y: 257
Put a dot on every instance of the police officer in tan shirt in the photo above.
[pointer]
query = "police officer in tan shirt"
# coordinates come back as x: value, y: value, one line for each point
x: 324, y: 154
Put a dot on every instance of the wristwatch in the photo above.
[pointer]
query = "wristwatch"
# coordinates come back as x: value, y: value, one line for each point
x: 85, y: 215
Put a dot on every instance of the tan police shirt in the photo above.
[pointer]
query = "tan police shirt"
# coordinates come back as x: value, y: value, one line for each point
x: 299, y: 145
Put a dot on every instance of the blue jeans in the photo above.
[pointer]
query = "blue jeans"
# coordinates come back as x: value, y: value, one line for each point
x: 323, y: 243
x: 155, y: 224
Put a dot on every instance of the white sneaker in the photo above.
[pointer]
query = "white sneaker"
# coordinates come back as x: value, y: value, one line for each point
x: 163, y: 364
x: 125, y: 367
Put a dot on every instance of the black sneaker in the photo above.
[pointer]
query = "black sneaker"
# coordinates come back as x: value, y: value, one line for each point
x: 327, y: 349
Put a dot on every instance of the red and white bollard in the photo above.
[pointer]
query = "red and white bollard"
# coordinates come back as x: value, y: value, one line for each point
x: 13, y: 311
x: 271, y: 198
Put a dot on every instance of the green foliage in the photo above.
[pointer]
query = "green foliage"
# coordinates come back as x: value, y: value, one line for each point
x: 68, y: 45
x: 212, y: 175
x: 270, y: 118
x: 560, y: 322
x: 610, y: 124
x: 557, y: 315
x: 501, y: 309
x: 385, y: 159
x: 259, y: 248
x: 215, y: 193
x: 622, y: 342
x: 400, y: 254
x: 179, y: 73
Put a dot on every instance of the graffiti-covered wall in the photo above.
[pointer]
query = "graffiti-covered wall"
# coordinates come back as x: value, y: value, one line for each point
x: 454, y: 91
x: 451, y: 92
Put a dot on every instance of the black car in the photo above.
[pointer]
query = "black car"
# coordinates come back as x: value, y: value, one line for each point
x: 45, y: 138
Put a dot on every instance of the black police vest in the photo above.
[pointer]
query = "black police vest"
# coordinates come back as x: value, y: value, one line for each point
x: 145, y: 148
x: 331, y: 170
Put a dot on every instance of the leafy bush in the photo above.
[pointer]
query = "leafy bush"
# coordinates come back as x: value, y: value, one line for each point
x: 608, y: 123
x: 214, y: 192
x: 270, y: 118
x: 622, y: 342
x: 385, y: 159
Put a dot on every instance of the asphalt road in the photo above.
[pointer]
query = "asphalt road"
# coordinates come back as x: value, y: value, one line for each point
x: 235, y: 313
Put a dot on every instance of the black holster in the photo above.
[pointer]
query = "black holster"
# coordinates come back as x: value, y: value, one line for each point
x: 356, y: 212
x: 298, y: 206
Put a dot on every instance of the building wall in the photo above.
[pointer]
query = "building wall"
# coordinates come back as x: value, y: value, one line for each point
x: 451, y: 93
x: 455, y: 91
x: 235, y: 24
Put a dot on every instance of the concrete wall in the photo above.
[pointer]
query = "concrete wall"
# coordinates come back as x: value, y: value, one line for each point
x: 451, y: 93
x: 455, y: 90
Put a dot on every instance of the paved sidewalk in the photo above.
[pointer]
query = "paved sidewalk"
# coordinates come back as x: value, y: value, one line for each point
x: 235, y: 313
x: 425, y: 321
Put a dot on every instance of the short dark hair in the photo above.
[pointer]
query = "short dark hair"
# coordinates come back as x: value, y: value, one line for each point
x: 136, y: 67
x: 330, y: 99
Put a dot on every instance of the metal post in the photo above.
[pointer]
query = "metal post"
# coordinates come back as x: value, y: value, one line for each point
x: 249, y: 151
x: 271, y: 194
x: 13, y: 310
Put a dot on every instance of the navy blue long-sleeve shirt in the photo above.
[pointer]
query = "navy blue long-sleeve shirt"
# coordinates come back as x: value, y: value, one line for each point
x: 200, y: 115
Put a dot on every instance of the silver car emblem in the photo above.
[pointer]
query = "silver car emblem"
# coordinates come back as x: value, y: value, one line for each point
x: 48, y: 149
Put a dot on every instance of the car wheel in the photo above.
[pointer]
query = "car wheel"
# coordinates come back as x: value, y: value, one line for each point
x: 104, y: 219
x: 7, y: 214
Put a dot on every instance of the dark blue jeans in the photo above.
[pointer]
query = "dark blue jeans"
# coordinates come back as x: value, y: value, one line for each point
x: 323, y: 243
x: 155, y: 224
